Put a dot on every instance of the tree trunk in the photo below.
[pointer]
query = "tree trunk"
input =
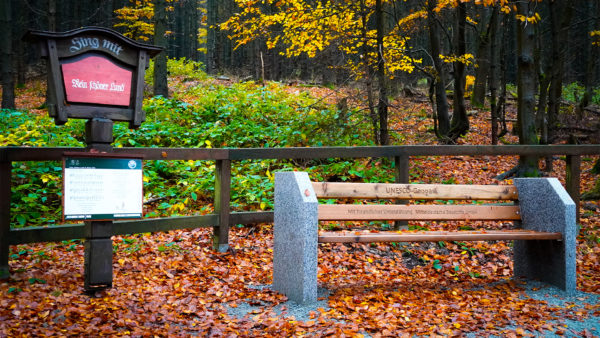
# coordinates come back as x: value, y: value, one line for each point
x: 160, y: 61
x: 369, y: 77
x: 382, y: 107
x: 591, y: 55
x: 541, y: 118
x: 441, y: 106
x: 6, y: 56
x: 526, y: 75
x: 493, y: 82
x: 460, y: 120
x: 561, y: 13
x: 194, y: 26
x: 76, y: 14
x: 52, y: 15
x: 508, y: 27
x: 20, y: 24
x: 483, y: 58
x: 543, y: 68
x: 52, y: 26
x: 211, y: 35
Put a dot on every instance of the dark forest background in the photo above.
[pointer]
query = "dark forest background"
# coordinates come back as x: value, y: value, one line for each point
x: 188, y: 16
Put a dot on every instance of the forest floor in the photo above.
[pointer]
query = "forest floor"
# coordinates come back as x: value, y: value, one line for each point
x: 174, y: 284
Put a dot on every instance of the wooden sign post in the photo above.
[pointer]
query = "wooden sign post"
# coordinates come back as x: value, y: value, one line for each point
x: 97, y: 74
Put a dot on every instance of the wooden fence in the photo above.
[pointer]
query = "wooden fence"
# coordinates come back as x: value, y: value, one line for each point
x: 222, y: 217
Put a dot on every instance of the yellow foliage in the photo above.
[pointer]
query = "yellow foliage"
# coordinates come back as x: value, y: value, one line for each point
x: 467, y: 59
x: 471, y: 21
x: 202, y: 30
x: 137, y: 19
x: 596, y: 37
x: 469, y: 82
x: 409, y: 19
x: 530, y: 19
x: 309, y: 27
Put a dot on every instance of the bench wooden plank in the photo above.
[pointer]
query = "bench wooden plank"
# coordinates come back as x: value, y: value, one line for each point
x: 364, y: 212
x: 415, y: 191
x: 435, y: 236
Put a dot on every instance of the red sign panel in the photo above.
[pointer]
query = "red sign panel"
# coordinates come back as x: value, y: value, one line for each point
x: 95, y: 79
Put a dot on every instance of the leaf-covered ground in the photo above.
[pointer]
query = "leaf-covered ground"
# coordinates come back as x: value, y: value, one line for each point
x: 173, y: 284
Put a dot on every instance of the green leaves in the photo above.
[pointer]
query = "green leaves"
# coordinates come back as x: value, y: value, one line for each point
x: 13, y: 289
x: 34, y: 280
x: 168, y: 246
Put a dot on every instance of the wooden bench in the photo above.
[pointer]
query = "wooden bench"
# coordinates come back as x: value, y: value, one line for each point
x: 423, y: 212
x: 543, y: 212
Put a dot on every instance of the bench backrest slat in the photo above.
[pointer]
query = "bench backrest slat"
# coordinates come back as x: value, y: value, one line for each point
x: 365, y: 212
x: 415, y: 191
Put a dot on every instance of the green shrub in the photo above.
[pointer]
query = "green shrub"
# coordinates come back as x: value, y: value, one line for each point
x: 242, y: 115
x: 191, y: 70
x: 574, y: 92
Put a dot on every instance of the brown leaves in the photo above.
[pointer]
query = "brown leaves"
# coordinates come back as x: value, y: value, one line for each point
x: 188, y: 289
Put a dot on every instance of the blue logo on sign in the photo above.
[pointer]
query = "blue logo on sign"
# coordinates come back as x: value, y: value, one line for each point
x: 131, y: 164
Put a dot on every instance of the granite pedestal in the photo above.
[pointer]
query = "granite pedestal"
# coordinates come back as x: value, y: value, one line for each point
x: 295, y: 237
x: 546, y: 206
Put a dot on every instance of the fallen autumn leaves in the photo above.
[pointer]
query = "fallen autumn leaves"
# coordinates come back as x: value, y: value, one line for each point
x: 187, y: 289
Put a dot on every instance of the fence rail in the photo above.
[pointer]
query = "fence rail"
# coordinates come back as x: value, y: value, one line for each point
x: 222, y: 218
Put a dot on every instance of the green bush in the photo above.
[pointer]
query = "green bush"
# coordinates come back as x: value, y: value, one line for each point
x: 573, y: 93
x: 36, y: 186
x: 191, y: 70
x: 205, y: 115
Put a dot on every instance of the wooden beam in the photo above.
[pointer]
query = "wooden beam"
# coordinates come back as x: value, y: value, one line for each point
x: 415, y: 191
x: 44, y: 154
x: 412, y: 150
x: 251, y: 217
x: 221, y: 204
x: 435, y: 236
x: 363, y: 212
x: 65, y: 232
x: 573, y: 181
x: 5, y: 196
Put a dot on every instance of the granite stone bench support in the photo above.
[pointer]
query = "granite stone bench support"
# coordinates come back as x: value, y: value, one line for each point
x: 545, y: 206
x: 295, y: 237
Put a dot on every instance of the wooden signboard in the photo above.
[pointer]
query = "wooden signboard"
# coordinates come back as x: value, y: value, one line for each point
x: 96, y: 79
x: 94, y: 72
x: 97, y: 74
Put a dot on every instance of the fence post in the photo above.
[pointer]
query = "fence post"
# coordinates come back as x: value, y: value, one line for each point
x: 5, y: 175
x: 98, y: 246
x: 402, y: 164
x: 98, y: 256
x: 573, y: 180
x: 221, y: 203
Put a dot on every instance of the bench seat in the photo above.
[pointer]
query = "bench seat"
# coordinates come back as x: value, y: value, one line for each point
x: 436, y: 236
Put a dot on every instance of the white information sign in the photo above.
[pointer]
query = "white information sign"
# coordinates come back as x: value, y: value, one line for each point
x: 102, y: 188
